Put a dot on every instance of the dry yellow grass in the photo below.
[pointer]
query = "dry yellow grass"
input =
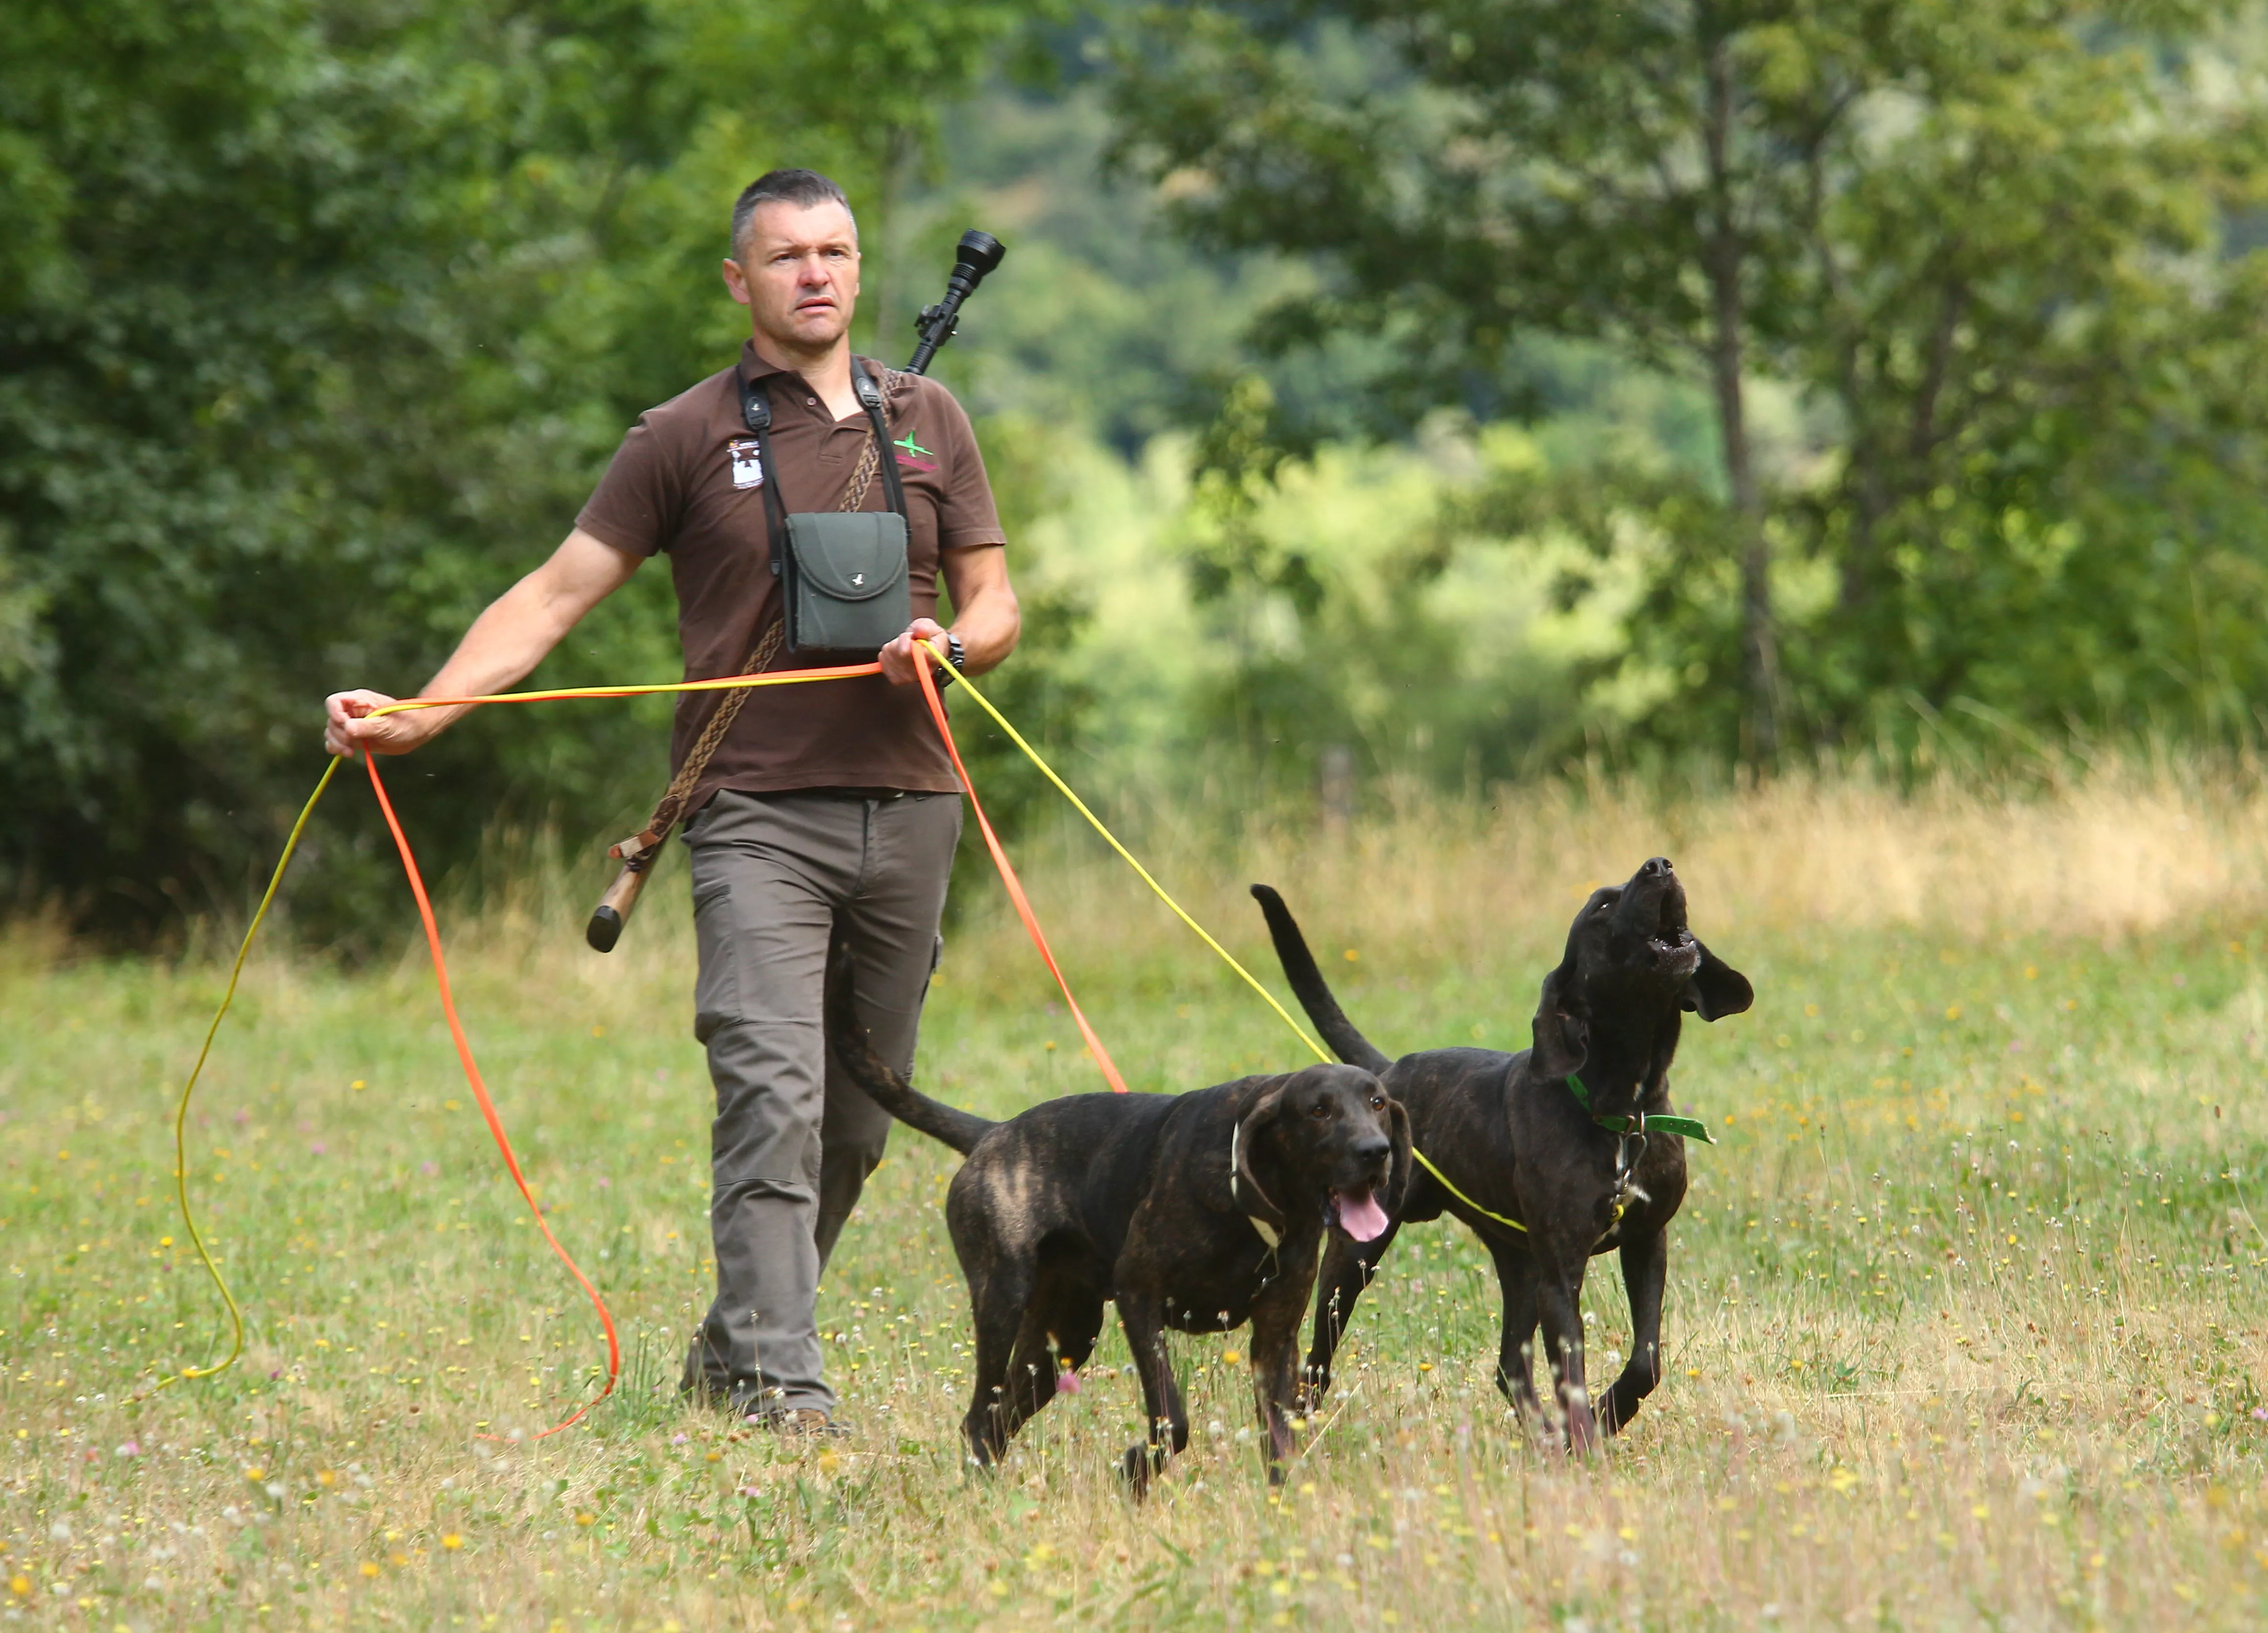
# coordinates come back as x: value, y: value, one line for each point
x: 1964, y: 1324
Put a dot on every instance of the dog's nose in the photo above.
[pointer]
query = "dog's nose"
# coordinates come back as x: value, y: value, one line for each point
x: 1655, y: 869
x: 1375, y: 1150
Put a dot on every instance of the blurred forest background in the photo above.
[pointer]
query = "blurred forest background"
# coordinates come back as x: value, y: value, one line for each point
x: 1433, y: 395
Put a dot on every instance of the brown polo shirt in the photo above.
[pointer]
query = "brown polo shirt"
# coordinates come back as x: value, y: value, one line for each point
x: 685, y: 480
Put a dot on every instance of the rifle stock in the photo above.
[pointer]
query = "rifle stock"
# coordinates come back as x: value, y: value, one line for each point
x: 614, y: 908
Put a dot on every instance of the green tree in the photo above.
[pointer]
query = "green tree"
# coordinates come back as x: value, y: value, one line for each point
x: 316, y: 324
x: 1949, y: 226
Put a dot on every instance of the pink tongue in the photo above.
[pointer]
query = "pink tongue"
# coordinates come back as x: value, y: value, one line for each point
x: 1361, y: 1218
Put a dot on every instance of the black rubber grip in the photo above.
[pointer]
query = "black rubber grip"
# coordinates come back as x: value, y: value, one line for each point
x: 604, y: 930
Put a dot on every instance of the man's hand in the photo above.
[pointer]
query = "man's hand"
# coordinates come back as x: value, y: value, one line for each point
x: 347, y: 726
x: 899, y: 657
x: 985, y: 615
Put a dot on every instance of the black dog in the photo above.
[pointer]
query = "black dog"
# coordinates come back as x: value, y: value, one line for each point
x: 1196, y: 1212
x: 1553, y: 1137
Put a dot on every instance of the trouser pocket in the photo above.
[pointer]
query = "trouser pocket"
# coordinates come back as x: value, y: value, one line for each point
x: 716, y: 987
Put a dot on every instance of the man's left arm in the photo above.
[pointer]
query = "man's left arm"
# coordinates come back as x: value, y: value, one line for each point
x: 985, y: 616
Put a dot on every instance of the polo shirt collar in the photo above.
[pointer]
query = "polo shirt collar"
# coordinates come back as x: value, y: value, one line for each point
x: 753, y: 367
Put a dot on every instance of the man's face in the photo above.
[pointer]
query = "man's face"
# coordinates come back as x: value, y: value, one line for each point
x: 800, y: 275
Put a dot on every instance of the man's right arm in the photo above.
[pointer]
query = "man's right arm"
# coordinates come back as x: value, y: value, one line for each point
x: 504, y: 643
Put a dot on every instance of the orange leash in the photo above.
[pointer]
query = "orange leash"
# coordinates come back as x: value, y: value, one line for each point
x: 1008, y: 876
x: 488, y: 1105
x: 448, y: 1001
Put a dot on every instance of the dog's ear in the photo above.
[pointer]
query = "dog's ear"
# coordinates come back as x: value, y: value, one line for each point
x: 1256, y: 1116
x: 1716, y: 989
x: 1563, y: 1025
x: 1397, y: 1177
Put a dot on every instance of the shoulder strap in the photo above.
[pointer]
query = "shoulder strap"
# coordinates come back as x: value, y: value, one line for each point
x: 756, y: 414
x: 870, y: 397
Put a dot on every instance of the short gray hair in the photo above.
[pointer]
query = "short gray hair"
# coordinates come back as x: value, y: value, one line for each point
x: 803, y: 188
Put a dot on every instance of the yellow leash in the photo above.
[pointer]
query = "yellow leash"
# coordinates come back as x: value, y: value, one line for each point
x: 1111, y: 839
x: 275, y: 883
x: 181, y: 1110
x: 299, y: 828
x: 1461, y: 1197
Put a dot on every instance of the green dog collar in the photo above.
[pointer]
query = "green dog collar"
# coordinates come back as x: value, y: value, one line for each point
x: 1643, y: 1122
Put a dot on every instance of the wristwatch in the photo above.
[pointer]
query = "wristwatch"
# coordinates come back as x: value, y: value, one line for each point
x: 955, y: 655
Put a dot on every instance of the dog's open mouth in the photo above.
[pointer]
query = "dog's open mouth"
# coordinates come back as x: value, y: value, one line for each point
x: 1672, y: 943
x: 1358, y: 1214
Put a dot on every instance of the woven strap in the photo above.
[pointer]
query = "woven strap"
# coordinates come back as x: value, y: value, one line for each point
x: 640, y: 849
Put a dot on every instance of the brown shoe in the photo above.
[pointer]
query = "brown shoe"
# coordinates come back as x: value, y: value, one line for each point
x: 802, y: 1422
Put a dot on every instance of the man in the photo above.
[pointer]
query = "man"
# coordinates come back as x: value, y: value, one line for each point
x: 828, y: 812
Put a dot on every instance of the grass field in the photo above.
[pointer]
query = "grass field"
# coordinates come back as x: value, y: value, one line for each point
x: 1964, y: 1323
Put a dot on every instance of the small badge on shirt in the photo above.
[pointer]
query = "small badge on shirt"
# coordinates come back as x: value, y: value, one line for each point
x: 747, y: 463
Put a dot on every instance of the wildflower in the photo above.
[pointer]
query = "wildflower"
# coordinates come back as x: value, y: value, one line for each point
x: 453, y: 1541
x: 586, y: 1518
x: 369, y: 1566
x: 359, y: 1084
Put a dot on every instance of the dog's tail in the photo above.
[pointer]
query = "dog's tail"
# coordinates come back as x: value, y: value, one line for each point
x: 893, y: 1093
x: 1307, y: 984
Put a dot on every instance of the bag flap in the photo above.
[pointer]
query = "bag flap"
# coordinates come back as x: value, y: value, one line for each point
x: 849, y: 555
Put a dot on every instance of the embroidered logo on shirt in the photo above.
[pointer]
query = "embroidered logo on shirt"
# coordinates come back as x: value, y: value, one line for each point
x: 913, y: 455
x: 748, y: 464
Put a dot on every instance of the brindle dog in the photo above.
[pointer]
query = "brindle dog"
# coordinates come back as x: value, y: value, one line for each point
x: 1511, y: 1133
x: 1195, y: 1213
